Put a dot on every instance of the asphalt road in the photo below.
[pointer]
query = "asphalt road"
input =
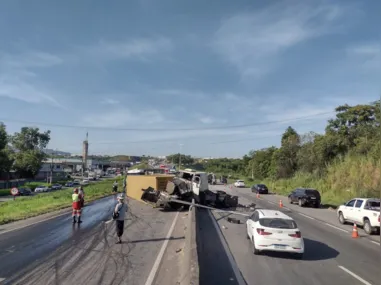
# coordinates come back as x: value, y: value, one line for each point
x: 57, y: 252
x: 331, y: 257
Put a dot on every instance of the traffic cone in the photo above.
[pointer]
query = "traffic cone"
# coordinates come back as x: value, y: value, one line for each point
x: 280, y: 204
x: 257, y: 195
x: 355, y: 233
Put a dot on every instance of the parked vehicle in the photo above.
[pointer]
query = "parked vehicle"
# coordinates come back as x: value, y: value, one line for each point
x: 69, y: 184
x: 363, y: 212
x: 24, y: 191
x: 272, y: 230
x: 305, y: 197
x: 42, y: 189
x: 85, y: 182
x: 260, y: 189
x: 239, y: 184
x: 56, y: 187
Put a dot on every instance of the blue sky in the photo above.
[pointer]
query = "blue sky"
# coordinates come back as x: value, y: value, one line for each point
x: 145, y: 64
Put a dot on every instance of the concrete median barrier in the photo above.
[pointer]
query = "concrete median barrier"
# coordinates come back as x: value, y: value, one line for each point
x: 190, y: 266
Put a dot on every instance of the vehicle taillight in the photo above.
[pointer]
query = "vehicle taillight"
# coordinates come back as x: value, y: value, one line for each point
x: 262, y: 232
x: 378, y: 218
x: 296, y: 235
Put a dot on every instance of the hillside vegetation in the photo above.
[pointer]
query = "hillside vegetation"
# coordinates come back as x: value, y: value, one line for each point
x: 342, y: 163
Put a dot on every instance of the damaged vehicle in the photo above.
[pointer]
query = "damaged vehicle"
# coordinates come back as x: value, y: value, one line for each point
x: 186, y: 186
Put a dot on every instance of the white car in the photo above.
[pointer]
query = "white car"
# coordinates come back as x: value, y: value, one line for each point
x: 85, y: 182
x: 41, y: 189
x: 239, y: 183
x: 272, y: 230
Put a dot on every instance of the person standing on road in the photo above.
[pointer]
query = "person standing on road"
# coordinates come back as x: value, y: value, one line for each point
x: 76, y: 205
x: 120, y: 214
x: 115, y: 186
x: 82, y: 194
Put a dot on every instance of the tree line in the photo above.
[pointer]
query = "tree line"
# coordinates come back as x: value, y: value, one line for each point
x: 22, y: 152
x: 354, y: 131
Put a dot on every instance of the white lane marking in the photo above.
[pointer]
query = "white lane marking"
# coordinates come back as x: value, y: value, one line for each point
x: 233, y: 264
x: 108, y: 222
x: 306, y: 216
x: 337, y: 228
x: 156, y: 265
x: 2, y: 279
x: 35, y: 223
x: 270, y: 202
x: 375, y: 242
x: 354, y: 275
x: 287, y: 208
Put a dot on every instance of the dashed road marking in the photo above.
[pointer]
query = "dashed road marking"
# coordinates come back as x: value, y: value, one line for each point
x: 306, y: 216
x: 156, y: 265
x: 354, y: 275
x: 270, y: 202
x: 233, y: 264
x: 286, y: 208
x: 337, y: 228
x: 375, y: 242
x: 108, y: 222
x: 2, y: 279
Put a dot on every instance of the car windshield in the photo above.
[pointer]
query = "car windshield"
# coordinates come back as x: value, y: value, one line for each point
x: 313, y: 192
x: 262, y: 186
x: 277, y: 223
x: 239, y: 181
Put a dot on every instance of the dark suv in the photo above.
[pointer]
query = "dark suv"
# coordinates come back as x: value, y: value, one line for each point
x: 260, y: 189
x: 305, y: 197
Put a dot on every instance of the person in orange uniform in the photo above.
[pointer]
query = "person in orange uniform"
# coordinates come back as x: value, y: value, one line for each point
x: 76, y: 205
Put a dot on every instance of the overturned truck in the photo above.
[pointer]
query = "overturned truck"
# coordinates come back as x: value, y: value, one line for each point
x: 188, y: 185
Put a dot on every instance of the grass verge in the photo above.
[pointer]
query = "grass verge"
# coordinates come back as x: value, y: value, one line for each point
x: 26, y: 207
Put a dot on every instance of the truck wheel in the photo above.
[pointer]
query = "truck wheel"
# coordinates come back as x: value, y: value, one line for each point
x: 367, y: 227
x: 341, y: 219
x: 289, y: 200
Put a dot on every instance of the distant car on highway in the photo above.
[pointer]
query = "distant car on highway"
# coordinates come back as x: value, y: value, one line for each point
x: 272, y: 230
x: 363, y: 212
x: 56, y: 187
x: 239, y: 183
x: 260, y: 189
x: 305, y: 197
x: 24, y: 191
x: 42, y: 189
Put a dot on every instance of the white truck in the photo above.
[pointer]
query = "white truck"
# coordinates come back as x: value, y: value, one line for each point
x: 363, y: 212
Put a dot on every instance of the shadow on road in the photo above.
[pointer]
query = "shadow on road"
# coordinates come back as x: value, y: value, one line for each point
x: 314, y: 251
x: 214, y: 264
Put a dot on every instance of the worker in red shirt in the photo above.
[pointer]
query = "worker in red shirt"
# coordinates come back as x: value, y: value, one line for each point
x: 76, y: 205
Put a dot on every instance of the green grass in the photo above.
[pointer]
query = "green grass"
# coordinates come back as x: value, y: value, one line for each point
x: 25, y: 207
x: 346, y: 179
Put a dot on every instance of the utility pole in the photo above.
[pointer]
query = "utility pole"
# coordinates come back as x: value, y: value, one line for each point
x: 180, y: 156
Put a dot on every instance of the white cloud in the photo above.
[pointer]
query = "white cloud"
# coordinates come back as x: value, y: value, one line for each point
x: 369, y: 49
x: 30, y: 59
x: 206, y: 120
x: 109, y: 101
x: 251, y: 41
x: 15, y: 88
x: 135, y: 48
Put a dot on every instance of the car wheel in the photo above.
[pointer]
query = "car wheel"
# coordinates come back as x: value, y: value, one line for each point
x: 367, y: 227
x: 300, y: 203
x: 255, y: 250
x: 341, y: 219
x: 317, y: 205
x: 289, y: 200
x: 247, y: 235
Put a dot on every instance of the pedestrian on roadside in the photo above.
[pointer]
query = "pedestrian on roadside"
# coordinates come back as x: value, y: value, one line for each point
x: 76, y: 205
x: 119, y: 215
x: 82, y: 196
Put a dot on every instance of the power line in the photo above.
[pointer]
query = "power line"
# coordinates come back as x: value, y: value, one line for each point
x: 165, y: 129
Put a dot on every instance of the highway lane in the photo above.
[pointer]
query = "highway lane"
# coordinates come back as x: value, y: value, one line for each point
x: 332, y: 257
x: 58, y: 252
x: 320, y: 214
